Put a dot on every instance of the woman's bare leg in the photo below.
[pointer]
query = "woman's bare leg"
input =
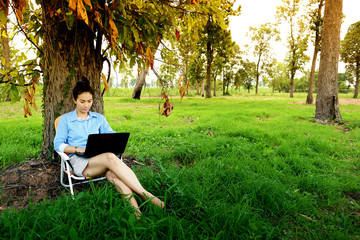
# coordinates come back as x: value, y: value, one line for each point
x: 108, y: 161
x: 125, y: 190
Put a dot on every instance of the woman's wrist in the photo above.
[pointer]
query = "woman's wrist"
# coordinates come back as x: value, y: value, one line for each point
x: 75, y: 149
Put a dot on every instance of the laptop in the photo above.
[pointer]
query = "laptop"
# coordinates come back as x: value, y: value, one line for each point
x: 102, y: 143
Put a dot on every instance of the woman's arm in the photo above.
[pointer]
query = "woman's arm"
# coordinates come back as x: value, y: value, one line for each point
x: 60, y: 140
x: 105, y: 126
x: 71, y: 149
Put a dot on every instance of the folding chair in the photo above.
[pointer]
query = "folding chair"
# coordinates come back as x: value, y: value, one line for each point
x: 67, y: 169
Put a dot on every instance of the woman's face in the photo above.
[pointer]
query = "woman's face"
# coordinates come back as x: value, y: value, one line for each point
x: 84, y: 102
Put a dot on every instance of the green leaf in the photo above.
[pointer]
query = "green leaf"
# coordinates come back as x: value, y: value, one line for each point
x: 3, y: 18
x: 21, y: 80
x: 14, y: 74
x: 14, y: 94
x: 5, y: 90
x: 70, y: 20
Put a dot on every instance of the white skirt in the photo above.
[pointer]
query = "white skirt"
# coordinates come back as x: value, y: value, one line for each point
x: 78, y: 164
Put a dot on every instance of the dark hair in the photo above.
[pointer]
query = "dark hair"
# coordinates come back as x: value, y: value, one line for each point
x: 83, y: 85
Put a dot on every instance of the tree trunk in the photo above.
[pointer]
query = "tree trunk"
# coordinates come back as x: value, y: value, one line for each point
x: 197, y: 88
x: 327, y: 101
x: 186, y: 68
x: 6, y: 52
x: 292, y: 85
x: 142, y: 77
x: 208, y: 76
x: 202, y: 86
x: 215, y: 86
x: 140, y: 83
x: 67, y: 56
x: 310, y: 99
x: 209, y: 56
x: 223, y: 83
x: 257, y: 75
x: 356, y: 80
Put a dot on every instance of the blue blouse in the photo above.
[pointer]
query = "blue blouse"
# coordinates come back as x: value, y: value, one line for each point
x: 74, y: 131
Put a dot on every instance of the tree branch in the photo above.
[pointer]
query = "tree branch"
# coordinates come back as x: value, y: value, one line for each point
x: 23, y: 31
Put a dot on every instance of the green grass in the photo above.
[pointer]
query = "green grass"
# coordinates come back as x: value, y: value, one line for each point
x: 246, y: 167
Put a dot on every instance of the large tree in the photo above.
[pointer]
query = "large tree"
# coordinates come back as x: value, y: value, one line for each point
x: 350, y: 53
x: 327, y: 101
x: 74, y: 38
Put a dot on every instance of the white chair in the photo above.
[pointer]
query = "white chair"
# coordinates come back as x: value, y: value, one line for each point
x: 67, y: 169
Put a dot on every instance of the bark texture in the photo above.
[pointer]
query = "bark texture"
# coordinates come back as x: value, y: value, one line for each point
x: 327, y: 101
x: 67, y: 56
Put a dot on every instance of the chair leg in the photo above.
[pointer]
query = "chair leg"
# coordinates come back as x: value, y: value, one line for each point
x: 70, y: 181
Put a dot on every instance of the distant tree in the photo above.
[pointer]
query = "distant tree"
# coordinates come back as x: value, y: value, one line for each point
x: 143, y: 72
x: 227, y: 54
x: 261, y: 38
x: 247, y: 83
x: 211, y: 37
x: 302, y: 83
x: 126, y: 75
x: 344, y: 80
x: 350, y: 53
x: 327, y: 101
x: 316, y: 20
x: 277, y: 76
x: 247, y: 73
x: 197, y: 73
x: 168, y: 73
x: 297, y: 40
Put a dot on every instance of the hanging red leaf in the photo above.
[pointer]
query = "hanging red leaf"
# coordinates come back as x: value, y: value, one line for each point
x: 106, y: 85
x: 149, y: 57
x: 19, y: 5
x: 167, y: 107
x: 177, y: 34
x: 72, y: 4
x: 113, y: 31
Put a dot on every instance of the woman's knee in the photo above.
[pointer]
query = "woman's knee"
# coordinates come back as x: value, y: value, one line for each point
x: 112, y: 159
x: 110, y: 175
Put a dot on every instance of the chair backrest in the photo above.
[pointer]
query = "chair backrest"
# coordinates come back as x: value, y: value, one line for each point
x: 57, y: 122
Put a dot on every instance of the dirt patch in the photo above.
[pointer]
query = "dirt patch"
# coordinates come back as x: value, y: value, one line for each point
x: 34, y: 181
x: 341, y: 101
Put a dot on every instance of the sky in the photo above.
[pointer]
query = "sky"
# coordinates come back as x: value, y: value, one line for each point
x: 256, y: 12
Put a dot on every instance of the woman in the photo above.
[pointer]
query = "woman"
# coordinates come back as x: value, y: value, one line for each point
x: 71, y: 137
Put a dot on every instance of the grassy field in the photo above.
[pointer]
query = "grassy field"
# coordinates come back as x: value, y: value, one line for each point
x: 244, y: 167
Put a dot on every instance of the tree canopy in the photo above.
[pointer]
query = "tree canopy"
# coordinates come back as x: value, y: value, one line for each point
x: 350, y: 53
